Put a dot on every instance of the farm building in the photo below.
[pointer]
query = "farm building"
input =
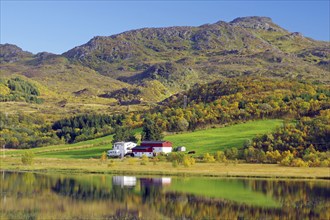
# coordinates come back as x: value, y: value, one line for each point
x: 152, y: 148
x: 121, y: 149
x: 138, y: 151
x: 181, y: 149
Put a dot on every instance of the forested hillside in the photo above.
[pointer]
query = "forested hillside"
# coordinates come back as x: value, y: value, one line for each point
x: 179, y: 78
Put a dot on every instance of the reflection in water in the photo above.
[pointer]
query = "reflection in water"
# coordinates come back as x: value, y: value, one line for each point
x: 39, y: 196
x: 124, y: 181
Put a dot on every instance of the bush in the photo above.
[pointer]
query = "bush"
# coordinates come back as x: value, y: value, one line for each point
x: 27, y: 158
x: 144, y: 160
x: 208, y: 158
x: 104, y: 157
x: 273, y: 156
x: 314, y: 163
x: 231, y: 153
x: 111, y: 163
x: 188, y: 161
x: 298, y: 162
x: 287, y: 158
x: 325, y: 163
x: 176, y: 156
x: 220, y: 156
x: 161, y: 157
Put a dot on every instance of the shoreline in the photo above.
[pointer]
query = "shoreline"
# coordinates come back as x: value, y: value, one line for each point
x: 129, y: 167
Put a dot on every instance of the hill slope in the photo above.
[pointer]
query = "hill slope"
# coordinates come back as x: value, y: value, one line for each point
x: 223, y: 138
x: 245, y: 46
x: 158, y: 62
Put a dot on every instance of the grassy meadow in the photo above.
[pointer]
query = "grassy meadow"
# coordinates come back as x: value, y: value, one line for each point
x: 209, y: 140
x: 133, y: 166
x: 83, y: 157
x: 212, y: 140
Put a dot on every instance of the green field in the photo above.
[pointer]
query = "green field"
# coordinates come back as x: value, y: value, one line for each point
x: 84, y: 149
x: 215, y: 139
x: 230, y: 189
x: 210, y: 140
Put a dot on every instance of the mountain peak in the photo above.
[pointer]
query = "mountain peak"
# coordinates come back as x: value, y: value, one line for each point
x: 256, y: 22
x: 12, y: 53
x: 252, y: 19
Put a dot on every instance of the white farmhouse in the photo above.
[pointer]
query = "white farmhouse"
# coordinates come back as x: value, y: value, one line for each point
x: 120, y: 149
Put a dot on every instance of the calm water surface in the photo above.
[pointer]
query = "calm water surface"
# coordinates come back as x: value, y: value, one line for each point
x: 87, y: 196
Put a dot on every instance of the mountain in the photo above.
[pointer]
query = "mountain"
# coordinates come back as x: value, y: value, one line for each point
x: 244, y: 46
x: 151, y: 64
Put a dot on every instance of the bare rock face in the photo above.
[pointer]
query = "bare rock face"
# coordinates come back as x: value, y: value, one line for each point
x: 10, y: 53
x: 255, y: 22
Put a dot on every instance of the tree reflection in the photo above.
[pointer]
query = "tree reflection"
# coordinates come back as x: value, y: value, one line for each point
x: 146, y: 198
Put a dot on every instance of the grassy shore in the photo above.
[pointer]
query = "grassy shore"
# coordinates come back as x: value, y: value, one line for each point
x: 133, y: 166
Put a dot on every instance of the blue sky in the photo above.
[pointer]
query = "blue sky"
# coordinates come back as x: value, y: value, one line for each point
x: 57, y: 26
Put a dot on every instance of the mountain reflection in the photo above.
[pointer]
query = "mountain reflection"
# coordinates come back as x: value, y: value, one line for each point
x: 41, y: 196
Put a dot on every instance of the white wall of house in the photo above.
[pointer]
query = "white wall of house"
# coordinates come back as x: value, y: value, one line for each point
x: 139, y: 154
x: 123, y: 147
x: 162, y: 149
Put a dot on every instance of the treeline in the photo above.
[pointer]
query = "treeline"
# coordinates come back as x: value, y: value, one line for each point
x: 85, y: 127
x: 236, y: 100
x: 29, y: 131
x: 125, y: 96
x: 218, y: 103
x: 307, y: 143
x: 25, y: 131
x: 17, y: 89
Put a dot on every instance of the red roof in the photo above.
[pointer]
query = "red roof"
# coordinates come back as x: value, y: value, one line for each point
x: 142, y: 149
x: 156, y: 143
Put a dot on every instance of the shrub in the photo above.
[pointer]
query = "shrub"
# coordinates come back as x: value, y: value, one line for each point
x: 208, y: 158
x: 325, y: 163
x: 103, y: 158
x: 144, y: 160
x: 314, y: 163
x: 220, y: 156
x: 188, y: 161
x: 27, y: 158
x: 287, y: 158
x: 298, y: 162
x: 111, y: 163
x: 161, y: 157
x: 231, y: 153
x: 176, y: 156
x: 273, y: 156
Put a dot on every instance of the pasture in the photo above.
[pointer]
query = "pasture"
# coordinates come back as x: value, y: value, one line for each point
x: 202, y: 141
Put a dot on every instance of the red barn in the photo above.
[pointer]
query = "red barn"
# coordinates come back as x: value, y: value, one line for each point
x: 151, y: 148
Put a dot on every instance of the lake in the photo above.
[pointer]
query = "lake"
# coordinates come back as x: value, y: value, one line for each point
x: 91, y: 196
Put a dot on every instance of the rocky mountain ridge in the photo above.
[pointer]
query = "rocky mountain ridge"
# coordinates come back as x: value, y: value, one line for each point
x: 169, y: 60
